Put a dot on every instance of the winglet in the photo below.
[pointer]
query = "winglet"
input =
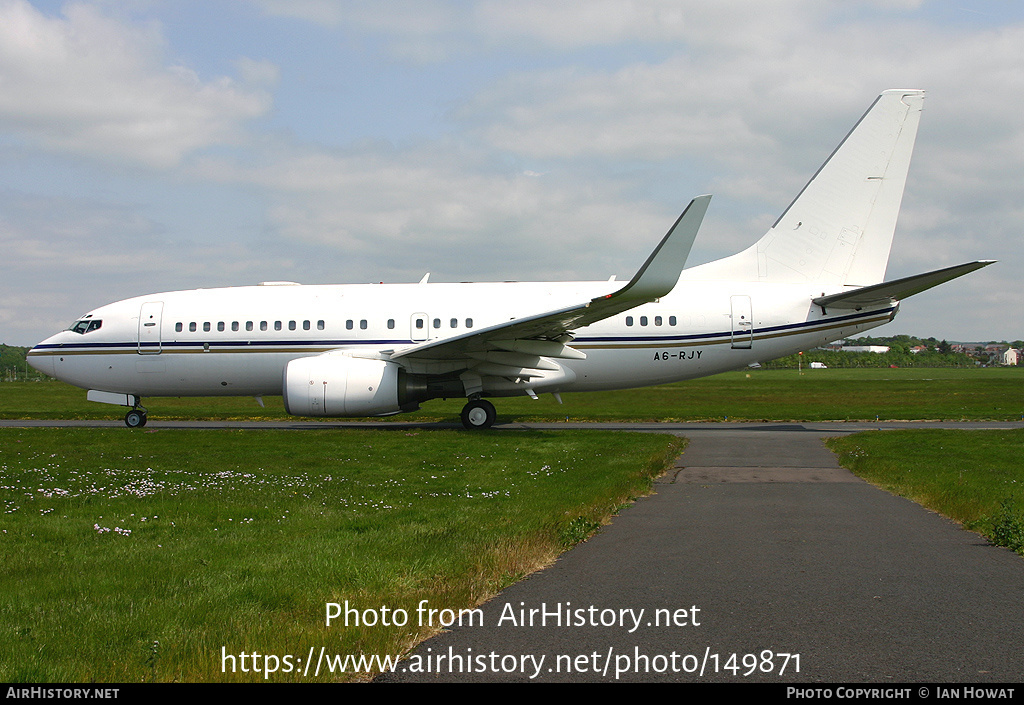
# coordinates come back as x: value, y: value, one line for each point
x: 543, y: 334
x: 660, y: 272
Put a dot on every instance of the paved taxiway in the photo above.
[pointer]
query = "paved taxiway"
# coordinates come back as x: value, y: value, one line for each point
x: 777, y: 547
x: 781, y: 550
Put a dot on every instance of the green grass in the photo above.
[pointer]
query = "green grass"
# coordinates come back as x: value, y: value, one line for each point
x: 239, y: 539
x: 974, y: 477
x: 132, y: 557
x: 816, y: 395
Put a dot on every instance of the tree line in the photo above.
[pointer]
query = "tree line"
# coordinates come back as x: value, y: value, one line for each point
x: 13, y: 365
x: 937, y: 353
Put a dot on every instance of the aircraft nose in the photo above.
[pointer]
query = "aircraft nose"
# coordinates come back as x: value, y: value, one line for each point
x: 39, y: 360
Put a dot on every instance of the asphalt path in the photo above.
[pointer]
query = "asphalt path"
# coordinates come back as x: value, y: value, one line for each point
x: 756, y: 559
x: 770, y: 563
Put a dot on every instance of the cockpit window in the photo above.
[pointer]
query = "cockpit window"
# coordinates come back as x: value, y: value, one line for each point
x: 85, y: 326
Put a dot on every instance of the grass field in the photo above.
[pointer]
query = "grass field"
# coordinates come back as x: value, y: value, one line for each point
x: 132, y: 557
x: 816, y: 395
x: 137, y: 556
x: 974, y: 477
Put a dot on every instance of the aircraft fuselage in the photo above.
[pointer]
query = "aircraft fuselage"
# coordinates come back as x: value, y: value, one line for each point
x: 237, y: 341
x: 369, y: 350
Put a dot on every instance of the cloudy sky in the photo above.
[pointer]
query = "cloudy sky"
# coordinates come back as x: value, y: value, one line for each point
x: 152, y: 145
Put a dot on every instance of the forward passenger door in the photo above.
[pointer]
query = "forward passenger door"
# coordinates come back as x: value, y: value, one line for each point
x: 150, y: 322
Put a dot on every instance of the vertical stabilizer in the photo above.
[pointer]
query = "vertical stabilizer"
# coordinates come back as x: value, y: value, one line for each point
x: 839, y: 229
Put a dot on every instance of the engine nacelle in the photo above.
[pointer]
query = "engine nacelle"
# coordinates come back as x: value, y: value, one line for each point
x: 336, y: 384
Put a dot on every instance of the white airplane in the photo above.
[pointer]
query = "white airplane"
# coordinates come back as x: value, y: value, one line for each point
x: 380, y: 349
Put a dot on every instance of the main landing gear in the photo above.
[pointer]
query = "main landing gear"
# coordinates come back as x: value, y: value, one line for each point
x: 136, y: 418
x: 478, y: 414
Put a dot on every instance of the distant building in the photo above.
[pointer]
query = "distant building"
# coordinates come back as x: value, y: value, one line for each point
x: 991, y: 354
x: 866, y: 348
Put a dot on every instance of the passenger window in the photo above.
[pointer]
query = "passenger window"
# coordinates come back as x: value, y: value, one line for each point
x: 362, y: 324
x: 178, y: 327
x: 349, y: 324
x: 305, y: 325
x: 320, y: 325
x: 248, y: 325
x: 263, y: 325
x: 291, y: 325
x: 437, y: 323
x: 391, y: 324
x: 455, y: 323
x: 277, y: 325
x: 657, y: 320
x: 234, y: 325
x: 206, y: 327
x: 629, y: 320
x: 192, y: 327
x: 643, y: 320
x: 419, y: 324
x: 469, y: 323
x: 671, y: 320
x: 220, y: 326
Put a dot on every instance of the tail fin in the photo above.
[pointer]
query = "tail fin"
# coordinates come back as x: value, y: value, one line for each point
x: 839, y: 229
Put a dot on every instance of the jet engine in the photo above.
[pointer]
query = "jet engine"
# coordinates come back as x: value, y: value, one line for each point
x: 336, y: 384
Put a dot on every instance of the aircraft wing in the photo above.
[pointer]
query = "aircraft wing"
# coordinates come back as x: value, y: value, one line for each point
x: 885, y: 293
x: 545, y: 333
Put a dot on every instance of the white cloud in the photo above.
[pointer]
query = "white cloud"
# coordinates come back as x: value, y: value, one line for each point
x: 88, y: 84
x: 420, y: 31
x: 451, y: 26
x: 447, y: 208
x: 762, y: 120
x: 582, y: 128
x: 63, y: 256
x: 258, y: 73
x: 747, y: 113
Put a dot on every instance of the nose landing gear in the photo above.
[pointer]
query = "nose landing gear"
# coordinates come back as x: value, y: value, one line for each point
x: 136, y: 418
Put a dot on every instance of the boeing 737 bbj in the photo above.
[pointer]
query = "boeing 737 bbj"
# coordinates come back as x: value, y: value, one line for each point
x: 380, y: 349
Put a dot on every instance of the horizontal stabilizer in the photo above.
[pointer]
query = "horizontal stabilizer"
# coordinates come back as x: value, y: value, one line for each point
x: 882, y: 294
